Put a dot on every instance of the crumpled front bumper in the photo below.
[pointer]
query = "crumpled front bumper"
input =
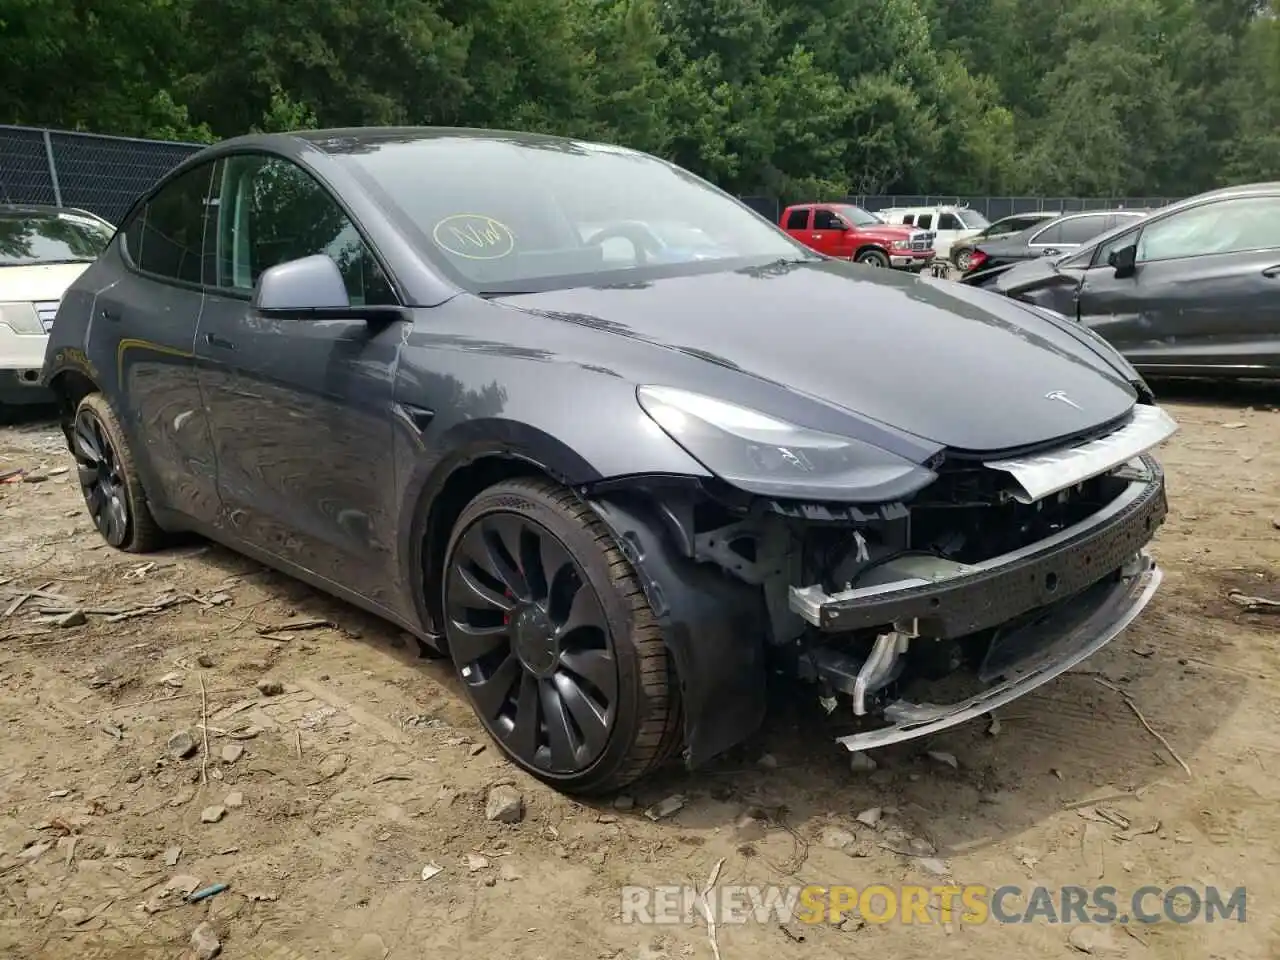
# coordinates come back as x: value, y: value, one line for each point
x: 1052, y: 604
x: 1030, y: 656
x: 977, y: 596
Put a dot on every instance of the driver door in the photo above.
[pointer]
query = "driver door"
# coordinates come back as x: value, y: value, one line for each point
x: 1204, y: 291
x: 831, y: 234
x: 300, y: 410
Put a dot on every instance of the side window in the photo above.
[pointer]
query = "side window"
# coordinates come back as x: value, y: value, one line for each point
x: 826, y: 220
x: 1227, y: 226
x: 909, y: 219
x: 271, y: 211
x: 798, y: 219
x: 1082, y: 229
x: 131, y: 235
x: 949, y: 221
x: 1047, y: 236
x: 1104, y: 251
x: 172, y: 229
x: 925, y: 221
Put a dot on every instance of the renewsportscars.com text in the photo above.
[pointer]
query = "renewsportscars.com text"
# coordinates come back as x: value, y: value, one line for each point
x: 923, y: 905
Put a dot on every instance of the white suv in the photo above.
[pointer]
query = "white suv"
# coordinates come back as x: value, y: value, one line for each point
x: 947, y: 223
x: 42, y: 250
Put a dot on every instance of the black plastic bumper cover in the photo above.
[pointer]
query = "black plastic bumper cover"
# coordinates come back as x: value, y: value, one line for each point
x: 989, y: 597
x: 713, y: 627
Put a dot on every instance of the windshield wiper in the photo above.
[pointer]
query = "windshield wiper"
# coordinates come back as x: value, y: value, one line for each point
x: 787, y: 262
x: 40, y: 263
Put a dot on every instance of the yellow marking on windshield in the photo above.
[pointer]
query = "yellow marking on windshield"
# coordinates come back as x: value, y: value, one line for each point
x: 474, y: 236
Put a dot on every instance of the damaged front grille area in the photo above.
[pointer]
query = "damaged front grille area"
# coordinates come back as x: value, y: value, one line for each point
x: 969, y: 568
x: 972, y: 588
x: 965, y: 583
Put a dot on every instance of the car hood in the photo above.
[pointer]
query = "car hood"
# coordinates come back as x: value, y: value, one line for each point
x: 1023, y: 276
x: 40, y: 281
x: 888, y: 231
x: 948, y: 363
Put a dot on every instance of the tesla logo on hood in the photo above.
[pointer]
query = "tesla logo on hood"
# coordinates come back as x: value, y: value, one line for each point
x: 1059, y: 395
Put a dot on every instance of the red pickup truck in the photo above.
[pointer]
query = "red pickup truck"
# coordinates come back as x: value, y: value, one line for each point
x: 851, y: 233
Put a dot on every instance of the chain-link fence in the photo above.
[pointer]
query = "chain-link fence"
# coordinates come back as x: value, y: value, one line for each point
x: 993, y: 208
x: 105, y: 174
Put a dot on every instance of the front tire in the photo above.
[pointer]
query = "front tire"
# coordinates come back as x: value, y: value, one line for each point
x: 963, y: 259
x: 554, y: 641
x: 873, y: 258
x: 109, y: 479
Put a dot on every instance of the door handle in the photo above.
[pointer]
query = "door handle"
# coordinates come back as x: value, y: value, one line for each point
x: 216, y: 341
x: 1272, y: 272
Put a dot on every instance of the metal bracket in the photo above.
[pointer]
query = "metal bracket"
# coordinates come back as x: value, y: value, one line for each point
x: 878, y: 668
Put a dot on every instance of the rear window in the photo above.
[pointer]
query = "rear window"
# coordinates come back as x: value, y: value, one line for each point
x: 27, y: 239
x: 1083, y: 229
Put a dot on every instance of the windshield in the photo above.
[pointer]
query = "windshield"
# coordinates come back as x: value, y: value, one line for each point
x: 857, y: 216
x: 34, y: 238
x: 973, y: 220
x: 507, y: 215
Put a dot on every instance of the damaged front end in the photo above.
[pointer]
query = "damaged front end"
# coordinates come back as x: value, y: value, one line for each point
x: 996, y: 577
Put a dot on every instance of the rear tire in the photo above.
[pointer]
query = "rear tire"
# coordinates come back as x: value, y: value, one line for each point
x: 554, y: 641
x: 109, y: 479
x: 873, y: 258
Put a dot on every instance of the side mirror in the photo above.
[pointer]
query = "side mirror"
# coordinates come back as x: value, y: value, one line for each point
x: 311, y: 285
x: 841, y: 223
x: 1124, y: 260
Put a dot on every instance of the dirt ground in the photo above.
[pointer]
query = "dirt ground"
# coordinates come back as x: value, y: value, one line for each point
x: 335, y: 793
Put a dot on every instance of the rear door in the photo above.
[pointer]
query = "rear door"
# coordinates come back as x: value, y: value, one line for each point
x: 796, y: 223
x: 1069, y: 233
x: 141, y: 340
x: 1205, y: 292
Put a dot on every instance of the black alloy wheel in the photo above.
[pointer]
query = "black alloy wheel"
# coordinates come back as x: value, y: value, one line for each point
x: 532, y: 644
x: 100, y: 478
x: 108, y: 480
x: 565, y: 672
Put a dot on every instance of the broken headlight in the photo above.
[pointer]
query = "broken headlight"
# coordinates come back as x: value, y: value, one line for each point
x: 21, y: 317
x: 770, y: 457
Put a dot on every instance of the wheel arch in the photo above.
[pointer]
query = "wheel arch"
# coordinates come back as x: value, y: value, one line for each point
x: 868, y: 247
x: 441, y: 494
x: 69, y: 387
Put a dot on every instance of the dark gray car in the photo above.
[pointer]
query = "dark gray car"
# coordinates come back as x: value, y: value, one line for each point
x: 1194, y: 290
x: 616, y: 491
x: 1060, y: 235
x: 962, y: 250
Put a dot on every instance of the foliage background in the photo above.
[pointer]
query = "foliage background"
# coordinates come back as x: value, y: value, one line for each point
x: 789, y: 98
